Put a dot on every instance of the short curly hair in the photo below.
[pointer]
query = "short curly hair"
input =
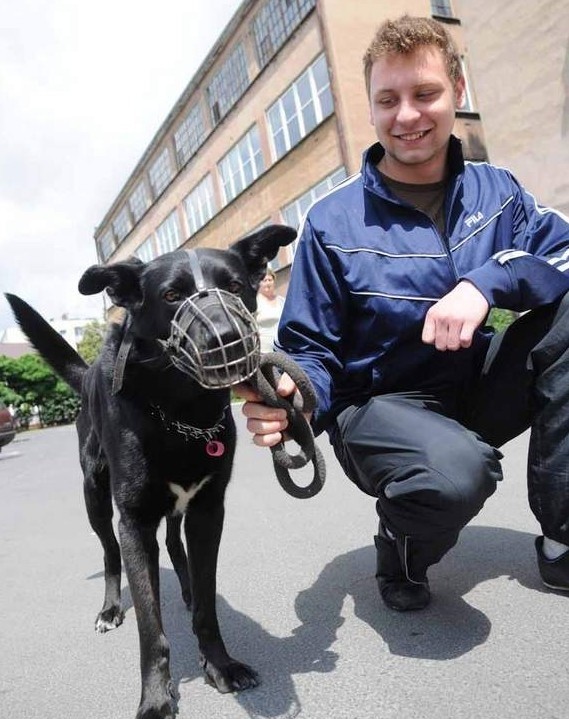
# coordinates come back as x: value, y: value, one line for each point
x: 407, y: 34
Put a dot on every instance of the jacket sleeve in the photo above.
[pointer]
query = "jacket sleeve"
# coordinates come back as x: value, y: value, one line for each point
x: 310, y: 326
x: 534, y: 270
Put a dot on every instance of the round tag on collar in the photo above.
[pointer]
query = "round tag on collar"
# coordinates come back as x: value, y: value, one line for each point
x: 215, y: 448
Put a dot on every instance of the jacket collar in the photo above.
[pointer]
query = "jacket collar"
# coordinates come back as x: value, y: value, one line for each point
x: 372, y: 177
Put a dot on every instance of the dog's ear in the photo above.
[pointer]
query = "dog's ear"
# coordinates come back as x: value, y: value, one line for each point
x: 121, y: 280
x: 257, y: 249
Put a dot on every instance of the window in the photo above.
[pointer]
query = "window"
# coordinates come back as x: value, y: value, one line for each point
x: 168, y: 234
x: 160, y: 173
x: 441, y: 8
x: 303, y: 106
x: 468, y: 105
x: 200, y: 205
x: 138, y: 201
x: 275, y: 22
x: 188, y: 137
x: 122, y: 224
x: 293, y: 213
x: 106, y: 245
x: 146, y: 251
x: 228, y: 85
x: 242, y: 165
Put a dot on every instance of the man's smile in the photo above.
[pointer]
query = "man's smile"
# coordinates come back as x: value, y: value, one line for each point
x: 412, y: 136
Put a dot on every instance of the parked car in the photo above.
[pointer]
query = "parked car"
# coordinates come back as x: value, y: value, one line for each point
x: 7, y: 426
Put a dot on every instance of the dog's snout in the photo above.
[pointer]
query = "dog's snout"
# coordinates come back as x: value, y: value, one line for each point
x: 216, y: 338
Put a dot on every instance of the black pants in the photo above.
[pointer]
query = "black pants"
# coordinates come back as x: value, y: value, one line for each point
x: 432, y: 463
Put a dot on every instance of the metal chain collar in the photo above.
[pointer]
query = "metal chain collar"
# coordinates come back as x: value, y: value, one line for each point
x: 188, y: 431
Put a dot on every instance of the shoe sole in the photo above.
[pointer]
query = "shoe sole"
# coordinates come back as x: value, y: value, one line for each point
x: 406, y: 609
x: 554, y: 586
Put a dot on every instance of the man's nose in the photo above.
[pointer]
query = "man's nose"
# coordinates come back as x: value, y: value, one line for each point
x: 407, y: 112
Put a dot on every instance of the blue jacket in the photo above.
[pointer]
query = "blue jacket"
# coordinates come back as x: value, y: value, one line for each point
x: 368, y: 267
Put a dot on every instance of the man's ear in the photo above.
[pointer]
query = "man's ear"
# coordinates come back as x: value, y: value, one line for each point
x: 460, y: 92
x: 258, y: 249
x: 121, y: 280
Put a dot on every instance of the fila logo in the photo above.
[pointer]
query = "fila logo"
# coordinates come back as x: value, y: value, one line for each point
x: 473, y: 219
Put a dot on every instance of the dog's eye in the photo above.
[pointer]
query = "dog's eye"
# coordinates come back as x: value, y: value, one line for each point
x: 172, y: 296
x: 235, y: 287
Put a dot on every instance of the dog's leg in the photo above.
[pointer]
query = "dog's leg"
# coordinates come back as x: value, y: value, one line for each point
x: 100, y: 512
x: 203, y: 526
x: 140, y: 553
x: 178, y: 556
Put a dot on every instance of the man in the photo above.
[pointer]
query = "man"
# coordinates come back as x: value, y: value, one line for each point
x: 394, y: 275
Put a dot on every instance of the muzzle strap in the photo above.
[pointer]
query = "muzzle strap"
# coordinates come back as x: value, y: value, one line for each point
x: 120, y: 362
x: 197, y: 272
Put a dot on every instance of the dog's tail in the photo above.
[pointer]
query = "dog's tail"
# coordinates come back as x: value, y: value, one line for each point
x: 49, y: 343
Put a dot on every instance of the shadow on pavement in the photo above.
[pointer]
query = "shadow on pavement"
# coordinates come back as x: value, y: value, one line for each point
x: 450, y: 627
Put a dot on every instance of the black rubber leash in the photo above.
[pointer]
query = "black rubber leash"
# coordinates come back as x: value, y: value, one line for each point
x: 266, y: 379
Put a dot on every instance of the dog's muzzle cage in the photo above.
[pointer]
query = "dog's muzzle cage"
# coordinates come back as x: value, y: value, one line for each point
x: 214, y: 358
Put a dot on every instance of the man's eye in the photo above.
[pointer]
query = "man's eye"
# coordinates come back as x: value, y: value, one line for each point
x: 172, y: 296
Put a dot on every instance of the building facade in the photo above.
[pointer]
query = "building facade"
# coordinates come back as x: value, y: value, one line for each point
x: 519, y: 51
x: 15, y: 343
x: 275, y: 116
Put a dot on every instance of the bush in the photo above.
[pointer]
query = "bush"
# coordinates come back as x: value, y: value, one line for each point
x: 500, y: 319
x: 27, y: 382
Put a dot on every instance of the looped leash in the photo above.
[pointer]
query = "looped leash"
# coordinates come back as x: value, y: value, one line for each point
x: 266, y: 379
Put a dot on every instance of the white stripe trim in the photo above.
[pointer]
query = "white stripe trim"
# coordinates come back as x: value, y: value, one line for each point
x: 479, y: 229
x: 395, y: 297
x: 563, y: 267
x: 559, y: 258
x: 507, y: 255
x: 385, y: 254
x: 541, y: 209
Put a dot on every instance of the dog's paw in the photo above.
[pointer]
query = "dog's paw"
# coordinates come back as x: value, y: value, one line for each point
x: 109, y: 619
x: 231, y: 677
x: 165, y: 711
x: 164, y: 707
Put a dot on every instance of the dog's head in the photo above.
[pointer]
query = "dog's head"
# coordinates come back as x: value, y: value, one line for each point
x: 199, y: 308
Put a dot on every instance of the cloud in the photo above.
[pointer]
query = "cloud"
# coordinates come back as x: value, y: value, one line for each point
x: 84, y: 89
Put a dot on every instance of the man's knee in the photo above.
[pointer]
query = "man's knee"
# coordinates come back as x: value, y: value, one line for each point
x: 444, y: 490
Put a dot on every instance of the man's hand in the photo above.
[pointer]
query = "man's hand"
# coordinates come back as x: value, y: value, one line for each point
x: 266, y: 424
x: 450, y: 323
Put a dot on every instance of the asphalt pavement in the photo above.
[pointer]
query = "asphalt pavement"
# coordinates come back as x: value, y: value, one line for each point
x: 297, y: 600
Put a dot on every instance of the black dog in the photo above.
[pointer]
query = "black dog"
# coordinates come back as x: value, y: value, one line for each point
x: 158, y: 441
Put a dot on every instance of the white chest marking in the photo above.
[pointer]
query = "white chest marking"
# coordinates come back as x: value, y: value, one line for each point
x: 183, y: 496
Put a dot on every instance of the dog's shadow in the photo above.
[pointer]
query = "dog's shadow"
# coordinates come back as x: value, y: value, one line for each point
x: 450, y: 627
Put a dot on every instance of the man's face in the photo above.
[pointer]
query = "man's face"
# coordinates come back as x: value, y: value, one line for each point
x: 412, y: 107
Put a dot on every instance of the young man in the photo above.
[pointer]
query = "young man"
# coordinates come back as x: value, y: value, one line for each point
x: 393, y: 278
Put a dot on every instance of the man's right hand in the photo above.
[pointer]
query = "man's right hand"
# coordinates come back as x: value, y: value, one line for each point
x: 266, y: 424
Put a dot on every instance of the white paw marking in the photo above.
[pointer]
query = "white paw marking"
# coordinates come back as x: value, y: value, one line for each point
x: 185, y: 496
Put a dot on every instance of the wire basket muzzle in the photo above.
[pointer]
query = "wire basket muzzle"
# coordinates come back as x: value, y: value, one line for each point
x: 215, y: 339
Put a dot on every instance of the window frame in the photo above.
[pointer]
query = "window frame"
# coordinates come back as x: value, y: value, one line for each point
x: 201, y: 202
x: 278, y: 110
x: 168, y: 234
x: 232, y: 161
x: 160, y: 173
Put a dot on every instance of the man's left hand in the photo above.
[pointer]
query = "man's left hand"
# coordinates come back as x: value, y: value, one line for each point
x: 451, y: 322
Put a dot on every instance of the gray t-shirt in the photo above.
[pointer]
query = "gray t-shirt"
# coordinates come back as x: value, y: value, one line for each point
x: 429, y: 199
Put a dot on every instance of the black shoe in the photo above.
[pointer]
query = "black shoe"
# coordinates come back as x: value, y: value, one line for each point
x: 554, y: 572
x: 396, y: 591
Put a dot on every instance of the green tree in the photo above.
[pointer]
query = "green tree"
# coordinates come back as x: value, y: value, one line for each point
x: 93, y: 338
x: 28, y: 381
x: 500, y: 319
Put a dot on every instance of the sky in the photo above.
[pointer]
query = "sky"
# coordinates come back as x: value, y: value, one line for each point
x: 83, y: 89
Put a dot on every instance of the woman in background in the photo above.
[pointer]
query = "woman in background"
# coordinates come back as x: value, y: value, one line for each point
x: 269, y: 309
